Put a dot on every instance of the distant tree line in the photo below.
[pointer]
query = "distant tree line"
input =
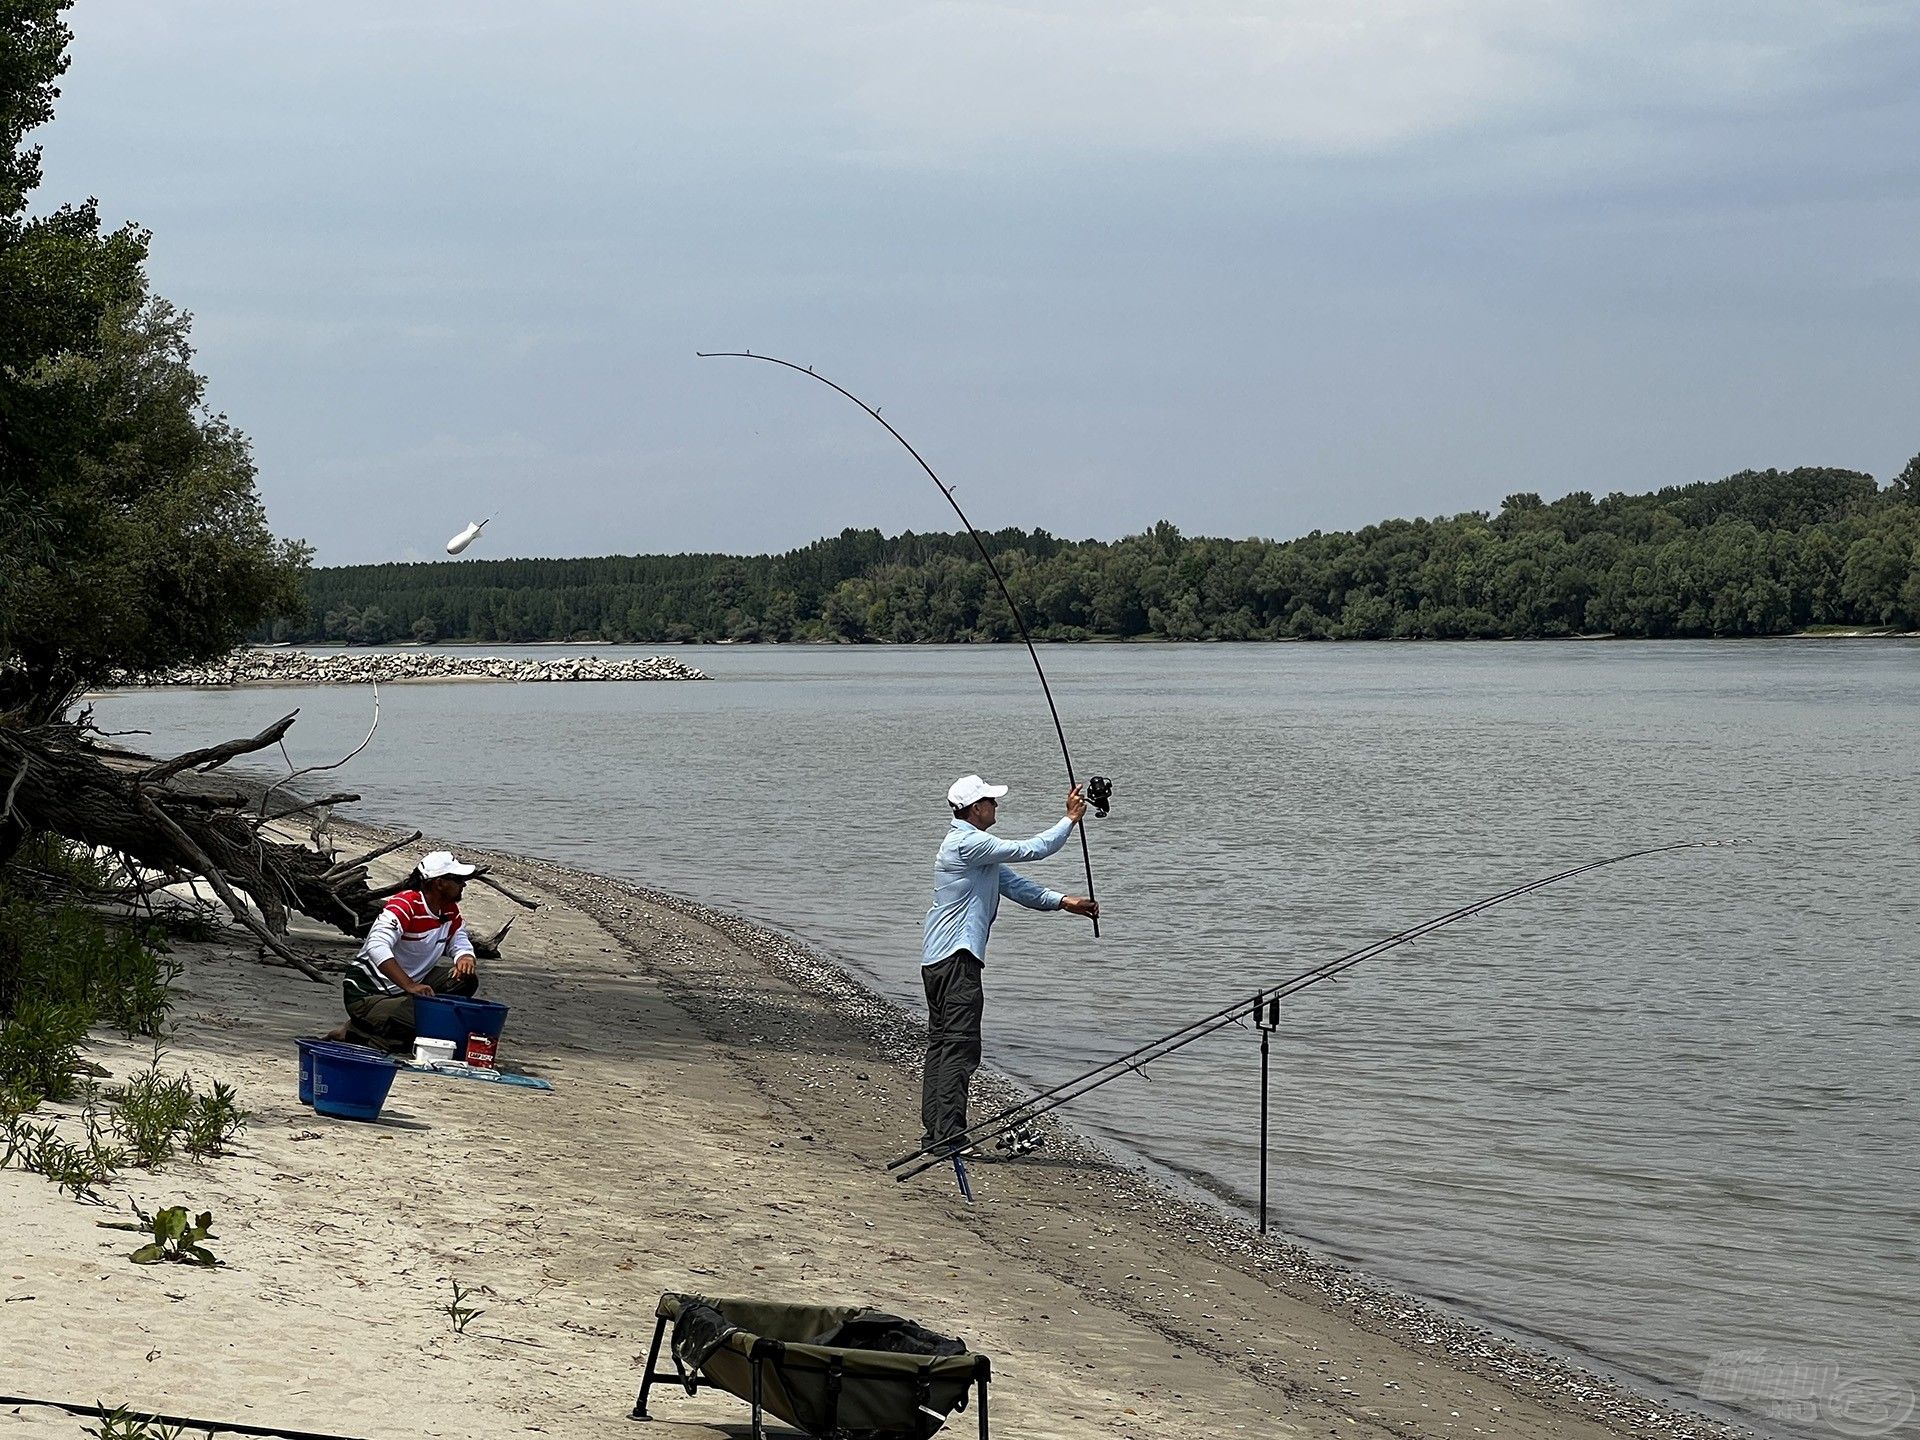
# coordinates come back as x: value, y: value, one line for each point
x: 1759, y: 553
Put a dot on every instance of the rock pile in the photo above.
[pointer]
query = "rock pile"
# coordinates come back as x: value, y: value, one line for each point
x: 358, y: 667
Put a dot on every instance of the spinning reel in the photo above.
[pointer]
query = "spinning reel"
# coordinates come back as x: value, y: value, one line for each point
x: 1021, y: 1140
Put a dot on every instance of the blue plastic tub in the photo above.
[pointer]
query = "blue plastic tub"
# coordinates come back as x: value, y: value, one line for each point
x: 307, y: 1049
x: 350, y: 1081
x: 449, y: 1017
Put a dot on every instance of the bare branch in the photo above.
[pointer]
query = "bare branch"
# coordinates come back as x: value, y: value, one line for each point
x: 220, y: 887
x: 337, y: 799
x: 19, y: 778
x: 492, y: 884
x: 370, y: 856
x: 487, y: 947
x: 316, y: 769
x: 214, y: 756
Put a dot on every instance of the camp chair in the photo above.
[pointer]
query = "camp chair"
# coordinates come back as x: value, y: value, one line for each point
x: 834, y: 1372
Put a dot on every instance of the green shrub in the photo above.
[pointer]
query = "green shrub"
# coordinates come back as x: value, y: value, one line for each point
x: 216, y: 1118
x: 16, y: 1099
x: 156, y: 1113
x: 62, y: 972
x: 64, y: 860
x: 150, y: 1112
x: 40, y: 1047
x: 72, y: 957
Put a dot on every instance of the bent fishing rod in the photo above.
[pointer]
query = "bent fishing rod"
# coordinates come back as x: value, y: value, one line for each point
x: 1097, y: 789
x: 1016, y: 1117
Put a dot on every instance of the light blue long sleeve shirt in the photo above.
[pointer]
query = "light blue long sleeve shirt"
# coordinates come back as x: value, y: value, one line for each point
x: 970, y: 875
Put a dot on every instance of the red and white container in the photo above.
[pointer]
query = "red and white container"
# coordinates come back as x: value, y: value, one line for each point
x: 480, y: 1051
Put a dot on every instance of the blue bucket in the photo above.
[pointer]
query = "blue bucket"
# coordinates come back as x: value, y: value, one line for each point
x: 350, y: 1081
x: 450, y: 1017
x: 307, y: 1049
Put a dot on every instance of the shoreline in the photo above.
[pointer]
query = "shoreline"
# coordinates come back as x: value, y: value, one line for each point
x: 725, y: 1099
x: 1486, y: 1345
x: 287, y: 666
x: 395, y: 647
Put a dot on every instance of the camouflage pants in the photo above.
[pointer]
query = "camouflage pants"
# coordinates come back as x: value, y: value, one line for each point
x: 387, y: 1020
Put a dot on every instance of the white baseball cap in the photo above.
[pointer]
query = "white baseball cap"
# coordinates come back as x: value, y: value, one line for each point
x: 969, y: 788
x: 436, y: 863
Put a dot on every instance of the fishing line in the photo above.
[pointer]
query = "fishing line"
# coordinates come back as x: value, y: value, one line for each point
x: 1014, y: 1117
x: 1086, y: 857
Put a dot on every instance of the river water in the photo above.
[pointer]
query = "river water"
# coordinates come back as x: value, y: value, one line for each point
x: 1662, y: 1115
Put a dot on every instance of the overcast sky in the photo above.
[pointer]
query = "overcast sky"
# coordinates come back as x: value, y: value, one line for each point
x: 1256, y: 267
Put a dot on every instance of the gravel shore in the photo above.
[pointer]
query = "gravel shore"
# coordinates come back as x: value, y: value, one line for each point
x: 360, y: 667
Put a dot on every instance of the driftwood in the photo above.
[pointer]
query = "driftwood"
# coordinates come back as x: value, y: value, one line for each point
x: 161, y: 818
x: 487, y: 947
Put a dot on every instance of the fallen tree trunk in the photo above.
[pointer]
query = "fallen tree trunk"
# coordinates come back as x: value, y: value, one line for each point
x: 56, y: 778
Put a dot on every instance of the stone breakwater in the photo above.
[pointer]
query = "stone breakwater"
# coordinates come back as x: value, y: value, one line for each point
x: 297, y: 667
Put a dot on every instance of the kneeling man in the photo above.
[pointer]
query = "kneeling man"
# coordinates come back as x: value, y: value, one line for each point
x: 418, y: 946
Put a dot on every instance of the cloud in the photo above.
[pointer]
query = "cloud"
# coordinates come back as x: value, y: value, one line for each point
x: 1408, y: 257
x: 1301, y: 77
x: 947, y: 80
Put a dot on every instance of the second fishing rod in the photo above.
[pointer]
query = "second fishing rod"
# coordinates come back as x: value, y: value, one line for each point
x: 1134, y: 1061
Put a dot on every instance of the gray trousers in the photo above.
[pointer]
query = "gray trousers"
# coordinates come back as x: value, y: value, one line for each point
x: 955, y: 1000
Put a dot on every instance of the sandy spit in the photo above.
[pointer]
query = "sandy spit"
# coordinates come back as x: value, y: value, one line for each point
x: 724, y: 1103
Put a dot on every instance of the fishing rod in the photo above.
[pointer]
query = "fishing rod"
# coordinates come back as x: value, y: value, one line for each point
x: 1018, y: 1116
x: 1099, y: 789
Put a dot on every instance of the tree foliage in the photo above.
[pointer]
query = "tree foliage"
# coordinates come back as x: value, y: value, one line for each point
x: 1759, y: 553
x: 131, y: 535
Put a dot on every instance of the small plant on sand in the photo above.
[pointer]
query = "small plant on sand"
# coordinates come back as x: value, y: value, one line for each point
x: 155, y: 1112
x: 16, y: 1099
x: 74, y: 1168
x: 459, y: 1312
x: 177, y: 1236
x: 216, y: 1118
x: 120, y: 1423
x: 137, y: 994
x: 143, y: 1125
x: 150, y: 1111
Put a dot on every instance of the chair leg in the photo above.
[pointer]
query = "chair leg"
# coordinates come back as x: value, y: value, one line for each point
x: 983, y: 1407
x: 759, y: 1419
x: 646, y: 1380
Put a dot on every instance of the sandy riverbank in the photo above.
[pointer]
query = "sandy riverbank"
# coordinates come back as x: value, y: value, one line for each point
x: 724, y: 1103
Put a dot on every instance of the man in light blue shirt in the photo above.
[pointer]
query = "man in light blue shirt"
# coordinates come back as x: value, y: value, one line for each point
x: 970, y: 875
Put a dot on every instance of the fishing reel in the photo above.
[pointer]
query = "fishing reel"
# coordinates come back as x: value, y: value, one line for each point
x: 1020, y: 1141
x: 1100, y: 794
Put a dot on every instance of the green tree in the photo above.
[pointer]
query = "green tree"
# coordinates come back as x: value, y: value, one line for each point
x: 1874, y: 577
x: 131, y: 535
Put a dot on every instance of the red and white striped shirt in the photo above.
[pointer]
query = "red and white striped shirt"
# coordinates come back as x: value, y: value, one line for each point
x: 408, y: 932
